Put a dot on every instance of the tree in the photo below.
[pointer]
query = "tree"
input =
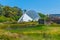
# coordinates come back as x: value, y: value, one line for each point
x: 42, y: 15
x: 24, y: 10
x: 17, y: 12
x: 7, y: 11
x: 1, y: 9
x: 12, y: 12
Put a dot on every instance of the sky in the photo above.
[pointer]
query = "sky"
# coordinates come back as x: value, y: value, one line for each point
x: 43, y: 6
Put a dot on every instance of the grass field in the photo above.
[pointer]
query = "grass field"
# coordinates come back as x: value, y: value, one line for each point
x: 39, y: 32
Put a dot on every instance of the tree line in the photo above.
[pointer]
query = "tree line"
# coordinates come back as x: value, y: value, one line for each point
x: 8, y: 13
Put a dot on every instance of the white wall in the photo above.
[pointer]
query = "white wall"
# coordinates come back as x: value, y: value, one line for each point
x: 25, y: 18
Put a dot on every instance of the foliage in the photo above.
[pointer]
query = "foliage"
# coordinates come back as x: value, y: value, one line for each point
x: 15, y: 25
x: 42, y: 15
x: 13, y: 13
x: 3, y: 19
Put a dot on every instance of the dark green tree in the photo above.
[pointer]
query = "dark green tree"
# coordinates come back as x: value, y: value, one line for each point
x: 42, y: 15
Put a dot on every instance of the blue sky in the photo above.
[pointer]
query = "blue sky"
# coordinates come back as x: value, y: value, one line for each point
x: 43, y: 6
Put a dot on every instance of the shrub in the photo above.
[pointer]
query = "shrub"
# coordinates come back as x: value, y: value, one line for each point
x: 3, y: 19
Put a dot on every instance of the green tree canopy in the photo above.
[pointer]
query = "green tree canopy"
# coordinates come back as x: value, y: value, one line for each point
x: 42, y: 15
x: 10, y: 12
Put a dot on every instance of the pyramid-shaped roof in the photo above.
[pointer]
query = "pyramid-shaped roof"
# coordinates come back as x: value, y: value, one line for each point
x: 29, y: 16
x: 34, y: 15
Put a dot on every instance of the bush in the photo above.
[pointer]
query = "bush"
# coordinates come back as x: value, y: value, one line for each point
x: 3, y: 19
x: 15, y: 25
